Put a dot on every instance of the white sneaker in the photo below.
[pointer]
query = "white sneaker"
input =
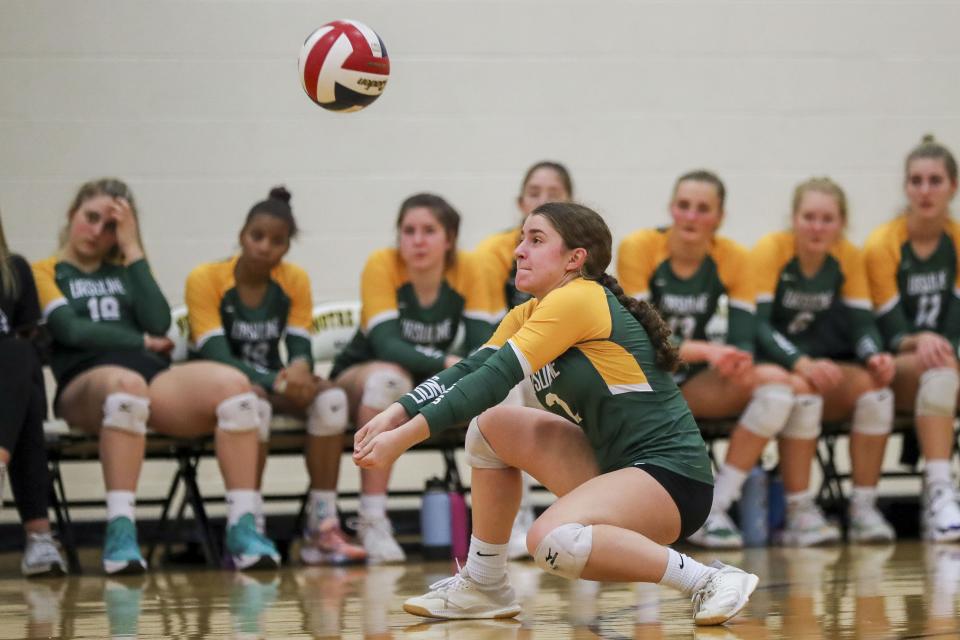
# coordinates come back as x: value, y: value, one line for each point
x: 723, y: 595
x: 807, y: 526
x: 718, y: 532
x: 376, y: 536
x: 940, y: 521
x: 867, y: 524
x: 41, y: 557
x: 517, y: 547
x: 460, y: 597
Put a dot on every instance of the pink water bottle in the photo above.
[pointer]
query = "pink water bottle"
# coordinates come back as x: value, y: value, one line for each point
x: 459, y: 526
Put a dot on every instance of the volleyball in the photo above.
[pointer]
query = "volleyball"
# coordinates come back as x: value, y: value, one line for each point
x: 344, y: 66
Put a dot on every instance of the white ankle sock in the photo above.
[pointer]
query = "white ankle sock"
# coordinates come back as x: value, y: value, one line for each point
x: 937, y: 471
x: 486, y: 563
x: 322, y: 505
x: 863, y: 498
x: 727, y: 486
x: 373, y: 505
x: 684, y: 573
x: 120, y: 503
x: 239, y: 503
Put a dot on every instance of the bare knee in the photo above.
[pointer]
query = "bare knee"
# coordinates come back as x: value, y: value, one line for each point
x: 126, y: 381
x: 770, y: 374
x: 229, y: 382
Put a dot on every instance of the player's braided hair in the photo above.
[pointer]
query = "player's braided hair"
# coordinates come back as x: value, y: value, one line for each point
x: 580, y: 226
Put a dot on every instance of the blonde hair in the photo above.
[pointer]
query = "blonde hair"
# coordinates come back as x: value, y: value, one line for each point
x: 112, y: 187
x: 8, y: 281
x: 821, y: 185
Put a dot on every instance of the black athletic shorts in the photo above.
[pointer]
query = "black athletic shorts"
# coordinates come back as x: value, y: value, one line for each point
x: 692, y: 497
x: 146, y: 364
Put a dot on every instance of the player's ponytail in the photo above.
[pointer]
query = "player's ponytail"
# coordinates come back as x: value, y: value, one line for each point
x: 580, y: 226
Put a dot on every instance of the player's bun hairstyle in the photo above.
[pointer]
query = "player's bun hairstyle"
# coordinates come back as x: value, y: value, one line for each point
x: 821, y: 185
x: 703, y: 175
x: 580, y: 226
x: 930, y: 148
x: 277, y: 205
x: 557, y: 168
x: 113, y: 188
x: 446, y: 215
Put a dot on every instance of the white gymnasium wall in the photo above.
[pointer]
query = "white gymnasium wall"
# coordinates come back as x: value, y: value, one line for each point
x: 198, y: 105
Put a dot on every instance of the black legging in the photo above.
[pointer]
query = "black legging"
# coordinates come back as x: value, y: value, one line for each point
x: 23, y: 407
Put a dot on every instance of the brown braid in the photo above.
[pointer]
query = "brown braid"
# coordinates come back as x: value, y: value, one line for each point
x: 580, y: 226
x: 668, y: 358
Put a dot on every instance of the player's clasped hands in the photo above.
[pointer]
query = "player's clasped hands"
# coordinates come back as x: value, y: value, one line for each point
x: 729, y: 361
x: 379, y: 442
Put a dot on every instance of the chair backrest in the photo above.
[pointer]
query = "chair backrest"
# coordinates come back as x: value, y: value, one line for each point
x: 180, y: 334
x: 334, y: 324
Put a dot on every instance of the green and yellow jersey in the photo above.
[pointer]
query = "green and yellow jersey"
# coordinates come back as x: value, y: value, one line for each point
x: 912, y: 294
x: 109, y: 309
x: 496, y: 254
x: 828, y: 315
x: 590, y: 362
x: 394, y: 326
x: 687, y: 304
x: 224, y: 329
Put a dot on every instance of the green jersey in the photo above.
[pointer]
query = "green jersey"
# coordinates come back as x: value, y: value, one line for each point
x: 224, y: 329
x: 592, y: 363
x: 910, y: 293
x: 826, y: 315
x: 395, y: 327
x: 109, y: 309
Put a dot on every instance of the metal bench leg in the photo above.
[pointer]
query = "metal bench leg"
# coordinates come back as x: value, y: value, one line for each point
x: 164, y: 518
x: 451, y: 473
x: 188, y: 467
x: 58, y: 500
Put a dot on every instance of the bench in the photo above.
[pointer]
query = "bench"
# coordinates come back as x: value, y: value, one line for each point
x: 334, y: 324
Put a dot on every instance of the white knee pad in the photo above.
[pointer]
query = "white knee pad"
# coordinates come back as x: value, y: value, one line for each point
x: 565, y: 550
x: 937, y: 394
x: 328, y: 415
x: 805, y: 417
x: 126, y: 412
x: 239, y: 413
x: 265, y: 415
x: 873, y: 415
x: 768, y: 410
x: 479, y: 453
x: 383, y: 388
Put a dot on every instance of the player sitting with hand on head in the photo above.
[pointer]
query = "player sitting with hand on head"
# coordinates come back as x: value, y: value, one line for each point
x: 108, y: 319
x: 618, y: 445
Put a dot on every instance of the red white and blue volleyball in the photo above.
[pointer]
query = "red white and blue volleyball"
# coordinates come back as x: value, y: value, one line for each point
x: 344, y: 66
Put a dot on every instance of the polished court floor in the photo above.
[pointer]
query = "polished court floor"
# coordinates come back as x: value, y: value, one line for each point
x: 905, y: 591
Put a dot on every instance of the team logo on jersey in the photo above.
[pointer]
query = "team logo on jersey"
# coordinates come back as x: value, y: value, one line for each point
x: 545, y: 376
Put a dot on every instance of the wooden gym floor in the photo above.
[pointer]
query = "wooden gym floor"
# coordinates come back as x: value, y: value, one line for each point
x: 909, y: 590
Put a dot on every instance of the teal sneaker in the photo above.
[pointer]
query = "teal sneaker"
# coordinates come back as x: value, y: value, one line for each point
x: 121, y: 553
x: 248, y: 548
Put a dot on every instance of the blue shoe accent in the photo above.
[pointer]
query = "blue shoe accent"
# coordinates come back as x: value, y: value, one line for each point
x: 250, y: 549
x: 121, y: 553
